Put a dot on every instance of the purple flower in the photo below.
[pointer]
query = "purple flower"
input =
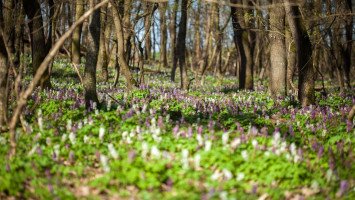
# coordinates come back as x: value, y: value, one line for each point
x: 349, y: 125
x: 344, y: 185
x: 320, y: 152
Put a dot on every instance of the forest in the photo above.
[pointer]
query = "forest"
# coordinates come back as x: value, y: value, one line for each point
x: 177, y: 99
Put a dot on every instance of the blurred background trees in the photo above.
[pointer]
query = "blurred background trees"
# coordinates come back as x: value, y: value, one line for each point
x: 293, y: 44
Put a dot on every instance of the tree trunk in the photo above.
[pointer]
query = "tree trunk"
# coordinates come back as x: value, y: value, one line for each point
x: 102, y: 60
x: 172, y: 28
x: 39, y: 47
x: 163, y: 35
x: 277, y: 50
x: 291, y: 60
x: 239, y: 33
x: 76, y: 39
x: 3, y: 85
x: 89, y: 79
x: 181, y: 46
x: 120, y: 49
x: 304, y: 54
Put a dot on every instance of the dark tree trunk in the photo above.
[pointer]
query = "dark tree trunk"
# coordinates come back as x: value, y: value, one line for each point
x: 39, y: 47
x: 304, y: 54
x: 3, y: 85
x: 181, y: 46
x: 89, y: 79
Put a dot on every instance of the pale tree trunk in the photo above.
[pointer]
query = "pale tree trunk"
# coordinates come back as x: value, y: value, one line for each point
x: 291, y: 61
x: 89, y: 78
x: 207, y: 45
x: 149, y: 10
x: 120, y: 49
x: 277, y: 50
x: 304, y: 54
x: 39, y: 47
x: 163, y: 35
x: 197, y: 35
x: 75, y: 52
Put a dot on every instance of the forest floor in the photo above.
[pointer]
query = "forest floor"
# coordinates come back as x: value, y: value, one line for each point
x: 158, y: 142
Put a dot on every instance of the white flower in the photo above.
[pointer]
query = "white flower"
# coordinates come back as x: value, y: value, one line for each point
x: 69, y: 125
x: 245, y: 155
x: 155, y: 153
x: 109, y: 105
x: 227, y: 174
x: 86, y: 139
x: 267, y: 153
x: 104, y: 163
x: 208, y: 145
x: 101, y: 133
x: 197, y: 160
x: 225, y: 138
x: 215, y: 175
x: 72, y: 138
x: 254, y: 143
x: 64, y: 137
x: 40, y: 123
x: 145, y: 149
x: 236, y: 142
x: 240, y: 176
x: 199, y: 139
x: 293, y: 149
x: 112, y: 151
x: 223, y: 195
x: 184, y: 159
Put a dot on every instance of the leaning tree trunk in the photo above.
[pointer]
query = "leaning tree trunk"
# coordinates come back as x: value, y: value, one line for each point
x: 120, y: 46
x: 304, y: 54
x: 75, y: 52
x: 277, y: 50
x: 39, y: 47
x: 89, y: 79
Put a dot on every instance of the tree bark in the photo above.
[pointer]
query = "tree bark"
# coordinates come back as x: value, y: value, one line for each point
x: 102, y: 60
x: 39, y: 47
x: 89, y: 79
x: 172, y: 28
x: 3, y: 85
x: 120, y: 49
x: 304, y: 54
x: 181, y: 46
x: 75, y: 52
x: 163, y: 35
x: 277, y: 50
